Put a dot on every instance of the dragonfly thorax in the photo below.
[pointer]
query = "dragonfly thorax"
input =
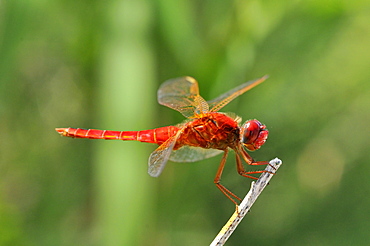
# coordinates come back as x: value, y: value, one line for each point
x: 212, y: 131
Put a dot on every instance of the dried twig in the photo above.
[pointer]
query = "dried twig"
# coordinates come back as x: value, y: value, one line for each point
x: 256, y: 189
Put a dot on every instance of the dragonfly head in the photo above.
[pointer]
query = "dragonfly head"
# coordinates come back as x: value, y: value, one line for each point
x: 253, y: 134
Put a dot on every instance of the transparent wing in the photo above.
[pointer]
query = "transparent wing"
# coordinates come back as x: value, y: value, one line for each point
x: 191, y: 154
x: 219, y: 102
x: 182, y: 94
x: 159, y: 157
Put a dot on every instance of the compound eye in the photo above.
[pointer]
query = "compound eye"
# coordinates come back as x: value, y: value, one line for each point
x: 254, y: 134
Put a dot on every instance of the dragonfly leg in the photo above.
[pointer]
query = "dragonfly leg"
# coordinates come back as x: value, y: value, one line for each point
x: 222, y: 188
x: 249, y: 160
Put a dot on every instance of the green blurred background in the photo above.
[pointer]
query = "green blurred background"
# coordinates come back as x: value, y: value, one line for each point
x: 98, y: 64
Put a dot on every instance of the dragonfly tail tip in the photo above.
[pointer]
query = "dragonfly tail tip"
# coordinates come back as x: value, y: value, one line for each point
x: 61, y: 131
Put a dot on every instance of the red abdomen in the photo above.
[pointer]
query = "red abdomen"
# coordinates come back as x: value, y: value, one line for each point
x: 214, y: 130
x: 158, y: 135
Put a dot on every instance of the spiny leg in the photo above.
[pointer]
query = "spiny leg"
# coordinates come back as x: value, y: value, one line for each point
x: 241, y: 170
x: 222, y: 188
x: 249, y: 160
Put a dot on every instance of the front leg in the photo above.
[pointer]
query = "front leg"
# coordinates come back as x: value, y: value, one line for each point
x: 249, y: 160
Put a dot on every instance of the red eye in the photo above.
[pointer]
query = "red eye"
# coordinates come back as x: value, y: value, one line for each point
x: 253, y: 134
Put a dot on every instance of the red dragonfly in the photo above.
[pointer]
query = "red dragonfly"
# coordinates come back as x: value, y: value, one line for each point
x: 204, y: 134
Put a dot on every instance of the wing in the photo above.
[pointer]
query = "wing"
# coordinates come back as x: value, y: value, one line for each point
x: 219, y: 102
x: 190, y: 154
x: 182, y: 94
x: 159, y: 157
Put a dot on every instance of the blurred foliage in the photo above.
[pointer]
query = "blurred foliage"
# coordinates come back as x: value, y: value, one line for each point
x: 98, y: 64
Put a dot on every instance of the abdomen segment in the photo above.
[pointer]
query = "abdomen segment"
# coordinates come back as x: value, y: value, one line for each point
x: 158, y: 135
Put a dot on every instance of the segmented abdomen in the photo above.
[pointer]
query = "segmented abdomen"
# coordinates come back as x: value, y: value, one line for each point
x: 158, y: 135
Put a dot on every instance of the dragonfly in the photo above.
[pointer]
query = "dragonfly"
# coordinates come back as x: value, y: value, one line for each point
x: 205, y: 133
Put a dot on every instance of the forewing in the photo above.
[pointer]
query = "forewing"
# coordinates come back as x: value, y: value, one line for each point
x: 159, y: 157
x: 219, y: 102
x: 182, y: 94
x: 191, y: 154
